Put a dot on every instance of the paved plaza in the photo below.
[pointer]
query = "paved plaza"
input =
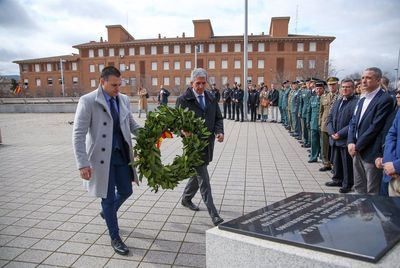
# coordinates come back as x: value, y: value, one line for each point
x: 47, y: 219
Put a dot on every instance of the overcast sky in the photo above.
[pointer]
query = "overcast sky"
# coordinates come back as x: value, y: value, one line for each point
x: 367, y: 31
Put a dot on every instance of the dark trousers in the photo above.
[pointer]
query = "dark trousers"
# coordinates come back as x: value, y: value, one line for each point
x: 306, y: 138
x: 202, y: 181
x: 295, y: 127
x: 342, y: 167
x: 227, y: 108
x: 120, y: 179
x: 253, y: 112
x: 315, y: 146
x: 233, y: 110
x: 239, y: 110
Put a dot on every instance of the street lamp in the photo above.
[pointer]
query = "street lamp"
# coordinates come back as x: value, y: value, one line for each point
x: 62, y: 76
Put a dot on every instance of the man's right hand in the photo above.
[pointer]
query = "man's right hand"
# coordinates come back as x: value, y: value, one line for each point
x: 352, y: 149
x: 86, y: 173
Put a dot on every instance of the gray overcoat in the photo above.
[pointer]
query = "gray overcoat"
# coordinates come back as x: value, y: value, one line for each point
x: 92, y: 137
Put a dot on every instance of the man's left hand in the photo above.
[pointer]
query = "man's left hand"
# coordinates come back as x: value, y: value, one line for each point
x: 220, y: 137
x: 389, y: 168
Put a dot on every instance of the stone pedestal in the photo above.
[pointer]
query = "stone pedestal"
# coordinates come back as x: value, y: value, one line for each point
x: 227, y: 249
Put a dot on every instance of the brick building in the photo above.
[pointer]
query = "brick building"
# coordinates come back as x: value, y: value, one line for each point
x: 168, y: 61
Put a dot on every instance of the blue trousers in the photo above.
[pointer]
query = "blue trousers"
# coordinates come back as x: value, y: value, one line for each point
x: 119, y: 189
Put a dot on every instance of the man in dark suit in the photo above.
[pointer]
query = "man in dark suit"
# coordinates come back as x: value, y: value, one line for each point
x: 368, y: 119
x: 162, y: 96
x: 227, y: 99
x: 338, y: 125
x: 204, y: 105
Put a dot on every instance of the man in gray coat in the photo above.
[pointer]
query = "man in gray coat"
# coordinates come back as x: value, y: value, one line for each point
x: 103, y: 148
x: 204, y: 105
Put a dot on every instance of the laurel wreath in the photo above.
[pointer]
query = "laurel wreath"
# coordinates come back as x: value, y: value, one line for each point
x: 148, y: 161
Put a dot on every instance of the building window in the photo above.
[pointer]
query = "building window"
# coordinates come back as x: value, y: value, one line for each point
x: 74, y: 80
x: 166, y: 65
x: 224, y: 64
x: 74, y: 66
x: 237, y: 64
x: 91, y: 68
x: 93, y: 83
x: 211, y: 64
x: 37, y: 68
x: 177, y: 81
x: 38, y: 82
x: 211, y: 48
x: 188, y: 64
x: 299, y: 64
x: 101, y: 67
x: 26, y: 83
x: 260, y: 64
x: 188, y: 49
x: 249, y: 80
x: 131, y: 51
x: 50, y: 81
x: 153, y: 50
x: 111, y: 52
x: 142, y: 51
x: 311, y: 64
x: 237, y: 47
x: 249, y: 64
x: 236, y: 79
x: 166, y: 49
x: 313, y: 46
x: 122, y: 67
x: 261, y: 47
x: 25, y: 67
x: 200, y: 48
x: 187, y: 80
x: 154, y: 66
x: 224, y: 80
x: 100, y: 52
x: 249, y: 47
x: 300, y: 47
x: 132, y: 67
x: 177, y: 65
x: 154, y: 81
x: 48, y: 67
x: 166, y: 81
x: 260, y: 80
x: 122, y: 52
x: 211, y: 80
x: 177, y: 49
x: 91, y: 53
x: 224, y: 47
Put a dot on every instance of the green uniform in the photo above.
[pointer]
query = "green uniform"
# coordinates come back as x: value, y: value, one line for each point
x: 314, y: 126
x: 304, y: 111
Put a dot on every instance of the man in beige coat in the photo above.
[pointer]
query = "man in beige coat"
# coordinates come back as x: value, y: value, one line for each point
x: 103, y: 148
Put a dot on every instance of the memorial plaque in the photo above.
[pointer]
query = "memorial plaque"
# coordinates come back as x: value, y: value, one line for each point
x: 362, y: 227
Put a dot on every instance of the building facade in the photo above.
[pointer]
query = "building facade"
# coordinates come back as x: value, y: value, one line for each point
x: 168, y: 61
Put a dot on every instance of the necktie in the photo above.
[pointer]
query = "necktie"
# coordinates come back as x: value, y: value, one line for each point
x: 113, y: 110
x: 359, y: 109
x: 201, y: 102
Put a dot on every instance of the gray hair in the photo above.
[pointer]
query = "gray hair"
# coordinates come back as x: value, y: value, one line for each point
x: 198, y: 72
x: 377, y: 71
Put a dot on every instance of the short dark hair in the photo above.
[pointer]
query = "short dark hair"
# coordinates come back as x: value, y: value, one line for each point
x: 347, y: 80
x: 108, y: 71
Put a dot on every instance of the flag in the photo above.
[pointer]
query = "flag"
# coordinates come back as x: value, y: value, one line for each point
x: 165, y: 135
x: 17, y: 90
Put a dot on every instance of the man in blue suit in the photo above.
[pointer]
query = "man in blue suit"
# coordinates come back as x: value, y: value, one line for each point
x: 338, y: 125
x: 368, y: 119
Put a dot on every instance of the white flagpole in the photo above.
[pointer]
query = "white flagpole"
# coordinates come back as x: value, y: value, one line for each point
x: 245, y: 54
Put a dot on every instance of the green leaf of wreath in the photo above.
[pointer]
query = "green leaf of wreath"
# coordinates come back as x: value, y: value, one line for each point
x: 148, y: 161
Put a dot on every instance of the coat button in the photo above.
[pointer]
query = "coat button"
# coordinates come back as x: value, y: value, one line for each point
x: 105, y: 123
x: 104, y: 110
x: 101, y: 162
x: 103, y: 149
x: 104, y: 135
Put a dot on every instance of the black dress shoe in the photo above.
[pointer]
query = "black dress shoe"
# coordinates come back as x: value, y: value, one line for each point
x: 189, y: 205
x: 217, y: 220
x: 312, y: 161
x: 101, y: 214
x: 333, y: 184
x: 119, y: 246
x: 325, y: 169
x: 344, y: 190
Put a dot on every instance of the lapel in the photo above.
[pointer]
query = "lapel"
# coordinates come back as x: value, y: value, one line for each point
x: 191, y: 97
x: 102, y: 101
x: 123, y: 110
x: 372, y: 104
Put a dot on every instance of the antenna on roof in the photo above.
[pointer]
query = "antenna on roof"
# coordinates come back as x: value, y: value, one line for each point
x: 297, y: 17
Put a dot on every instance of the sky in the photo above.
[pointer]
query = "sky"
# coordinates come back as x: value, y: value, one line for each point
x: 367, y: 31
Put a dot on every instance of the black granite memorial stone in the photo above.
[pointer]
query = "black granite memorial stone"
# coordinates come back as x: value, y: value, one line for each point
x: 362, y: 227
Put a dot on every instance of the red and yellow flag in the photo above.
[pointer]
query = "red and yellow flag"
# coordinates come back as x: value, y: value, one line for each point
x: 165, y: 135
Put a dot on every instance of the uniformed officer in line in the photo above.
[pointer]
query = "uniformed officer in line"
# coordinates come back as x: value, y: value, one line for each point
x: 215, y: 92
x: 289, y: 112
x: 325, y: 107
x: 227, y: 100
x: 305, y: 107
x: 286, y: 90
x: 234, y: 90
x: 238, y: 100
x: 294, y: 109
x: 280, y: 102
x: 314, y: 122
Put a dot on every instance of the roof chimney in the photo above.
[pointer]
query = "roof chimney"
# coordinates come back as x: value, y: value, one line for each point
x: 279, y: 27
